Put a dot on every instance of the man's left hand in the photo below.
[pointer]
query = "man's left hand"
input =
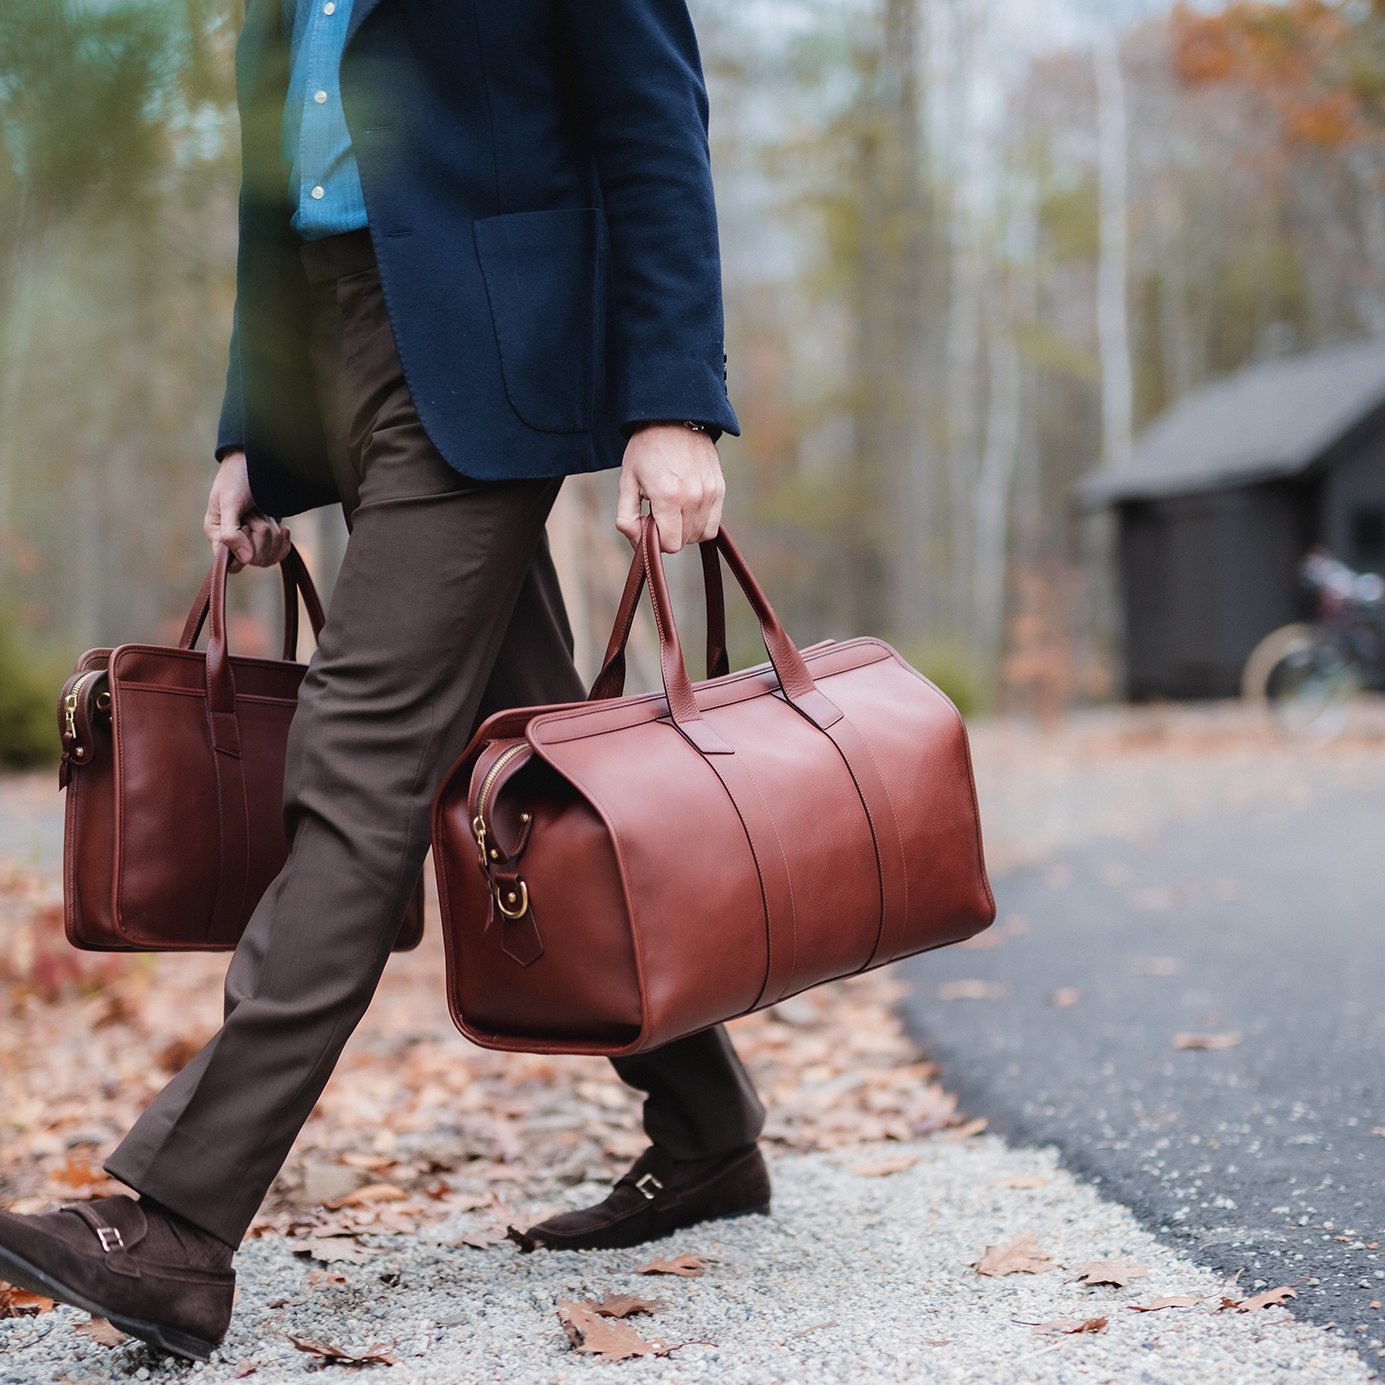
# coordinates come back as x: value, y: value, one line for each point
x: 678, y: 471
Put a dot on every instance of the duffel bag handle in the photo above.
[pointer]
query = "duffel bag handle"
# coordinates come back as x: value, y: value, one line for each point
x: 296, y: 579
x: 610, y: 682
x: 224, y: 725
x: 795, y: 680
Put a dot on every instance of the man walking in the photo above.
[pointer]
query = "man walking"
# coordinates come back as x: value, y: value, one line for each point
x: 478, y: 253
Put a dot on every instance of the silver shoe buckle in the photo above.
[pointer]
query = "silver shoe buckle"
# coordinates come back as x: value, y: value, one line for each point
x: 115, y: 1242
x: 644, y: 1180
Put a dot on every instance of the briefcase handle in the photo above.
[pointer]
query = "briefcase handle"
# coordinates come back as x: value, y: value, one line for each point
x: 610, y: 682
x: 294, y: 572
x: 795, y: 681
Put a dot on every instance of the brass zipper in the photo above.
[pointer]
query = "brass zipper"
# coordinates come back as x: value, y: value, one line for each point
x: 478, y: 823
x: 70, y: 703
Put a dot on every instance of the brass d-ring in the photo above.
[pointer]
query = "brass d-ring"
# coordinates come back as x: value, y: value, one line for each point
x: 507, y: 902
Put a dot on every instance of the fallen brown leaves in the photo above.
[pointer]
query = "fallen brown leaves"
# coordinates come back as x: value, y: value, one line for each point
x: 101, y: 1332
x: 1117, y: 1272
x: 20, y: 1303
x: 688, y: 1266
x: 331, y: 1355
x: 1156, y: 1305
x: 1271, y: 1298
x: 606, y: 1336
x: 1071, y: 1326
x: 1019, y: 1256
x: 416, y: 1126
x: 627, y: 1305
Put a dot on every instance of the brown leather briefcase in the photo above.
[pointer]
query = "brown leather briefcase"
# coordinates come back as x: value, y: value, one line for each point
x: 617, y: 873
x: 173, y: 763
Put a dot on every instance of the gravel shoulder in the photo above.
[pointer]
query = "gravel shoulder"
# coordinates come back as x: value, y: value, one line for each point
x: 852, y: 1278
x: 855, y: 1277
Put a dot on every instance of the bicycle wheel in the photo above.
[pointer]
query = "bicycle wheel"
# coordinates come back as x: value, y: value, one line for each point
x: 1305, y: 679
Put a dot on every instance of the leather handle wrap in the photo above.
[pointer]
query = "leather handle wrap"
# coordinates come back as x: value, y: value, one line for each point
x: 610, y: 682
x: 792, y: 672
x: 297, y: 582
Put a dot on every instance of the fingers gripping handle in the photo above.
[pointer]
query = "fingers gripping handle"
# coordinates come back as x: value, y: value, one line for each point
x: 794, y: 678
x: 296, y: 582
x: 610, y: 682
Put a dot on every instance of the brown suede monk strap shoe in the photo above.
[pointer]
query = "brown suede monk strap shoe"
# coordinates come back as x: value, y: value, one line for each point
x: 153, y: 1276
x: 659, y: 1195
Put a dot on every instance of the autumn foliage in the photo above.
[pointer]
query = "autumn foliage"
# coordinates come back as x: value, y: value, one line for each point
x: 1308, y: 61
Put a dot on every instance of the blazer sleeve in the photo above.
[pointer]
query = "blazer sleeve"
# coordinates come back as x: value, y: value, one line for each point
x: 230, y: 428
x: 638, y: 73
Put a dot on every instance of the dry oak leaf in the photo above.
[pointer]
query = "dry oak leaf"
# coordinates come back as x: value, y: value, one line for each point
x: 372, y: 1192
x: 624, y: 1305
x: 20, y: 1303
x: 330, y: 1248
x: 339, y: 1356
x: 883, y: 1168
x: 1117, y: 1272
x: 1271, y: 1298
x: 102, y: 1332
x: 690, y: 1266
x: 1071, y: 1326
x: 608, y: 1339
x: 1020, y: 1256
x: 1210, y: 1041
x: 1172, y: 1301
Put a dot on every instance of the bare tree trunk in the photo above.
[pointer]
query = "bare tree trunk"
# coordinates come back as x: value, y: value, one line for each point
x: 967, y: 274
x: 1113, y: 269
x: 993, y: 486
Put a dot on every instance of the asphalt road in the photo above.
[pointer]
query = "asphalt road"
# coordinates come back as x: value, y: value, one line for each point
x: 1265, y: 1158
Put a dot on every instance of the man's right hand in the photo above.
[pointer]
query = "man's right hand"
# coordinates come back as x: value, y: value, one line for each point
x: 232, y: 519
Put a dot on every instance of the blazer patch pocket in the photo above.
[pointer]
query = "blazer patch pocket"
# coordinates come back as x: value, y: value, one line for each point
x: 545, y: 278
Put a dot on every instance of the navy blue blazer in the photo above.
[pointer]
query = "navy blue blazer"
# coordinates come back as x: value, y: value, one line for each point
x: 537, y: 181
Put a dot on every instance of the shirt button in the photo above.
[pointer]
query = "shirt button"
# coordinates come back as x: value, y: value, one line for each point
x: 319, y: 193
x: 329, y: 8
x: 320, y: 97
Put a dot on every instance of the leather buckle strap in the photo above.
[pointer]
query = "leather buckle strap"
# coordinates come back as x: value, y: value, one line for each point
x: 111, y: 1237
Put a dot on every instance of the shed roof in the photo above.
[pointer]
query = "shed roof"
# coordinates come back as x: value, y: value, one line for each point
x: 1267, y: 421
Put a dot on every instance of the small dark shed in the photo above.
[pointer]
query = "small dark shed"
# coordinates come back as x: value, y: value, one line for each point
x: 1222, y: 497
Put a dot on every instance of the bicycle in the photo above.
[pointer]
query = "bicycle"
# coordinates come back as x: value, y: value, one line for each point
x: 1307, y: 674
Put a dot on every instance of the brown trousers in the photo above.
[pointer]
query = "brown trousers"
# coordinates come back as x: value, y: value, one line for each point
x: 446, y: 608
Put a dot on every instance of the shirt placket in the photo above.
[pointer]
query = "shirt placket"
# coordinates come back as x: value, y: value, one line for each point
x: 315, y: 143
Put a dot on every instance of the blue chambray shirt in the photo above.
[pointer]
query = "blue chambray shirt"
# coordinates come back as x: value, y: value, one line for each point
x: 324, y: 181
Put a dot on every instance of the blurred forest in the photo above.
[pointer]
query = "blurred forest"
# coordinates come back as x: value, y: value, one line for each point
x: 971, y: 247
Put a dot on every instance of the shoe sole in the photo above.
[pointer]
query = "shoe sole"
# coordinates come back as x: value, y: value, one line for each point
x: 761, y: 1211
x: 16, y: 1270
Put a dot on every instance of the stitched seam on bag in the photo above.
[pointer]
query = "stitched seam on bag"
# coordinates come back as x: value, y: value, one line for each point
x: 875, y: 847
x: 619, y: 854
x: 717, y: 766
x: 788, y: 876
x: 196, y: 692
x: 592, y: 709
x: 894, y: 822
x: 117, y: 743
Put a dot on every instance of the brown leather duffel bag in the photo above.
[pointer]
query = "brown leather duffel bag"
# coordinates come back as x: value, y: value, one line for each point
x: 173, y: 762
x: 617, y: 873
